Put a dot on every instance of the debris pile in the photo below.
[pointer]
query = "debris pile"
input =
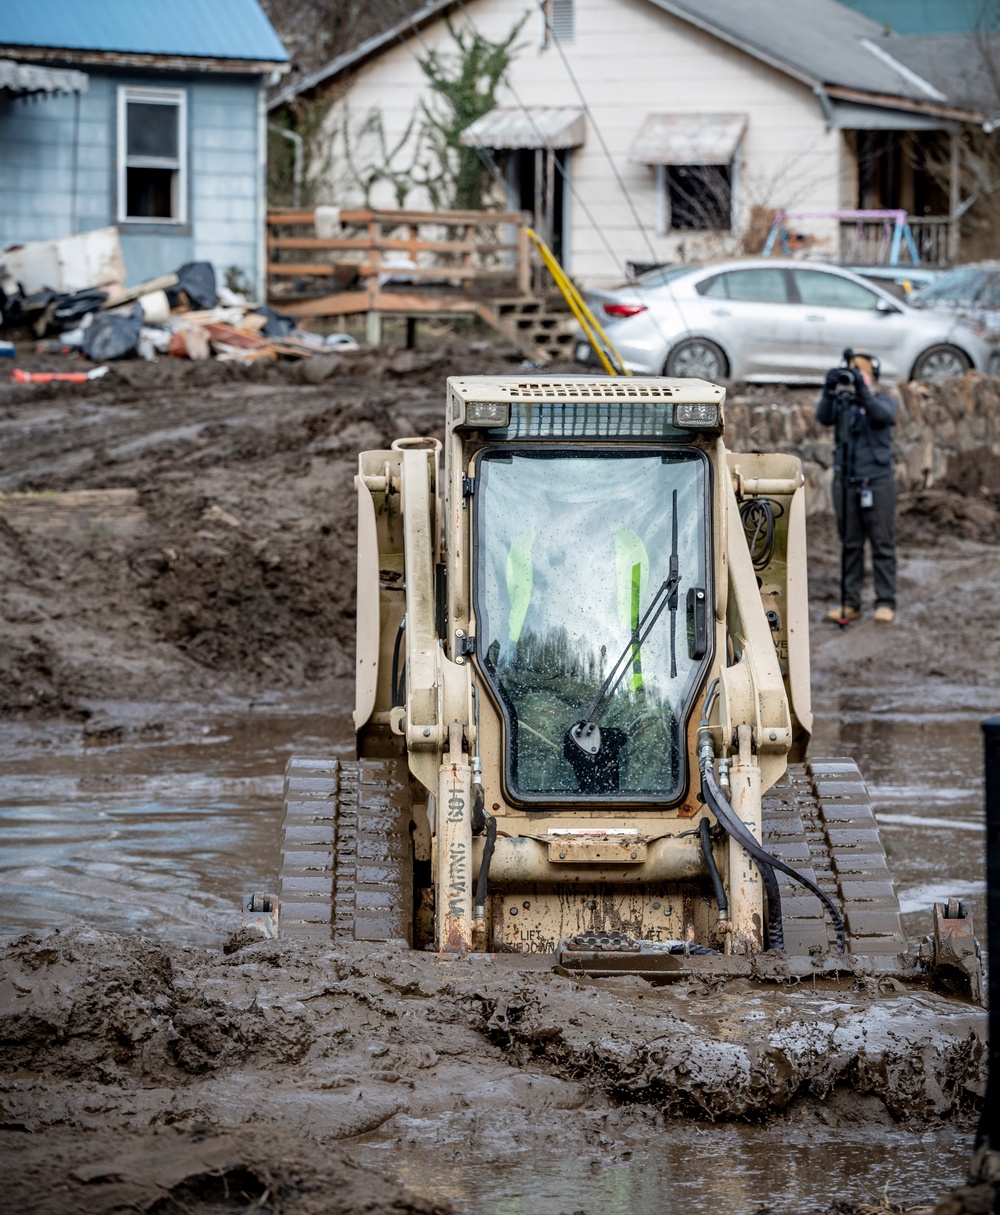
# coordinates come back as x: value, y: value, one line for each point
x: 70, y: 295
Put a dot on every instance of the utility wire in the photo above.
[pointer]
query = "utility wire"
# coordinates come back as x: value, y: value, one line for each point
x: 489, y: 162
x: 550, y: 32
x: 567, y: 180
x: 617, y: 175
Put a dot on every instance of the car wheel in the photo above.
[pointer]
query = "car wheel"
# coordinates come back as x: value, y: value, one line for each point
x: 696, y: 358
x: 940, y: 363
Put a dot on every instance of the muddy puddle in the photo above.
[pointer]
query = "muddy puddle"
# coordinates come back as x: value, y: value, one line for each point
x: 131, y: 825
x: 686, y: 1169
x: 144, y: 827
x: 134, y: 826
x: 923, y: 761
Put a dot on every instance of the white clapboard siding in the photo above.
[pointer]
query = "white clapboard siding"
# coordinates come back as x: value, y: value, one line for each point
x: 631, y: 59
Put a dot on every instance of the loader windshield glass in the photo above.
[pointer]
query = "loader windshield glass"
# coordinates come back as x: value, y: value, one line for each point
x: 572, y: 548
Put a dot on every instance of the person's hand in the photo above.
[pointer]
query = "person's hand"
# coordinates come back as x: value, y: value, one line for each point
x: 859, y: 380
x: 832, y: 376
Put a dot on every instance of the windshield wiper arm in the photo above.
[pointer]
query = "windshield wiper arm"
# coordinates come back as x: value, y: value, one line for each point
x: 585, y: 733
x: 674, y: 580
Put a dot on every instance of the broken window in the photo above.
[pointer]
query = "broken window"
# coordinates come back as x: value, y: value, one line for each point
x: 152, y: 177
x: 695, y: 198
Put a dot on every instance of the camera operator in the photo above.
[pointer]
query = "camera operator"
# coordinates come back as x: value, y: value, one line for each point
x: 864, y: 488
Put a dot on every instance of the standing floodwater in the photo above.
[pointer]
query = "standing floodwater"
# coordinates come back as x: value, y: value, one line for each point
x: 160, y: 831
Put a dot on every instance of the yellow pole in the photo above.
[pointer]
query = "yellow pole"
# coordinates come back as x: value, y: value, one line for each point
x: 578, y: 306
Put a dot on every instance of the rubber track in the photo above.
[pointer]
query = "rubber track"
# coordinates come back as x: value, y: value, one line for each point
x: 819, y: 819
x: 346, y: 854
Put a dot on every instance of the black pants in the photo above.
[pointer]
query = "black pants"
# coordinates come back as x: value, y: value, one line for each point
x: 877, y: 525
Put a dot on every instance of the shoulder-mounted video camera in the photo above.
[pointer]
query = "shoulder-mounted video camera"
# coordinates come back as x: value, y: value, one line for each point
x: 859, y: 361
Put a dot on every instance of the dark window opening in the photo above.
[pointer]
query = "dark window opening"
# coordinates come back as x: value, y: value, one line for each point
x: 149, y: 193
x: 699, y: 197
x: 532, y: 191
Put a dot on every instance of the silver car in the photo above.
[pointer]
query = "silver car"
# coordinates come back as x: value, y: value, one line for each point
x: 971, y: 292
x: 774, y: 320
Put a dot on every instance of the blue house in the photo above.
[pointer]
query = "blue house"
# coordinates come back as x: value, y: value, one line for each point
x: 144, y: 114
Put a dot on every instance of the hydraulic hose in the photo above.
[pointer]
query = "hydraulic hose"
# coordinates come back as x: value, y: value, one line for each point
x: 705, y: 835
x: 397, y: 697
x: 484, y: 867
x: 731, y: 823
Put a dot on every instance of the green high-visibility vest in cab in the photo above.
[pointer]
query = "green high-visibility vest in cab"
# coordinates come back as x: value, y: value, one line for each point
x: 631, y: 579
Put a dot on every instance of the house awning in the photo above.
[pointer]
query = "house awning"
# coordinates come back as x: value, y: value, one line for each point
x: 688, y: 139
x: 538, y: 127
x: 849, y: 116
x: 30, y: 78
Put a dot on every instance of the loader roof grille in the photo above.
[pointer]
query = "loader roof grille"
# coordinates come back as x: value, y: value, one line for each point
x: 617, y: 390
x: 583, y: 388
x: 590, y: 419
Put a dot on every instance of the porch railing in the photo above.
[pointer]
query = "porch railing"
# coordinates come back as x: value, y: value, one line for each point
x: 868, y: 242
x: 356, y: 252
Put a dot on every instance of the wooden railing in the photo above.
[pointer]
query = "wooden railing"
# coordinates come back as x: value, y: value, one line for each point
x: 868, y: 242
x: 933, y: 237
x: 471, y: 252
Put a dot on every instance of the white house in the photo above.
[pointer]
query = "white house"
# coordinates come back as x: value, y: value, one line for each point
x: 653, y: 130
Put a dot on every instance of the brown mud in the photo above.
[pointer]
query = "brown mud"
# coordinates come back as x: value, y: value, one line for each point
x: 134, y: 1070
x: 181, y: 535
x: 222, y: 565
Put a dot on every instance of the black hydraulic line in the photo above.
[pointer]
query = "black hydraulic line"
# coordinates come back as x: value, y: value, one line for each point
x: 775, y: 926
x: 705, y: 835
x: 478, y: 809
x: 733, y: 824
x: 484, y: 867
x: 758, y: 516
x: 397, y: 698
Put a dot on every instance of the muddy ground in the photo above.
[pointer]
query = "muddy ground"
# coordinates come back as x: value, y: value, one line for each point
x: 215, y: 568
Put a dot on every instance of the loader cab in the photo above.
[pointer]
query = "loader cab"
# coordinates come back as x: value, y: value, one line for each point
x: 590, y: 572
x: 571, y: 548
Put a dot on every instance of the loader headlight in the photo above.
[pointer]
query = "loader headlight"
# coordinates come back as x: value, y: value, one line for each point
x: 697, y: 416
x: 487, y: 414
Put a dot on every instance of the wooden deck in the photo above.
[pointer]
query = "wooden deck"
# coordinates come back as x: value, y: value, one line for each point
x: 414, y: 264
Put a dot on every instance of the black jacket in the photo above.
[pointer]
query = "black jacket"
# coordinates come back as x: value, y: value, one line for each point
x: 869, y: 418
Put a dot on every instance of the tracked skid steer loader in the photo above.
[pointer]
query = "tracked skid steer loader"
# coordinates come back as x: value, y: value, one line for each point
x: 582, y: 707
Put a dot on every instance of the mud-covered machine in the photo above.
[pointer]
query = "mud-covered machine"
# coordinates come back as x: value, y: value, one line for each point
x: 582, y: 705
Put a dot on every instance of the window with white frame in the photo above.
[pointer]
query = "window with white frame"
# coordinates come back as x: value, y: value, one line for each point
x: 152, y: 155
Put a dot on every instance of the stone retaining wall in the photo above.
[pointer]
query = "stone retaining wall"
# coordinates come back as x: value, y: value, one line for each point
x: 946, y: 436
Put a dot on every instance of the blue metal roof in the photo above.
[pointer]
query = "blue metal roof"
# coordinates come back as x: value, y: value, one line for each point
x: 209, y: 29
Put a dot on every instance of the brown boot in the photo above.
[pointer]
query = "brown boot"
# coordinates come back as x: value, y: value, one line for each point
x: 836, y: 615
x: 885, y: 614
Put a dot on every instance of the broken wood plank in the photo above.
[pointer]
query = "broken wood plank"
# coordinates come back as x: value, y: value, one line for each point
x: 124, y: 295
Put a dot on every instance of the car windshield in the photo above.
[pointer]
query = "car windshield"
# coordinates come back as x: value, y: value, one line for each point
x: 961, y: 286
x: 572, y: 549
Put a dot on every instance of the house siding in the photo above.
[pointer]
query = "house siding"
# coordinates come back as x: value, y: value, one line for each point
x: 631, y: 59
x: 225, y: 201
